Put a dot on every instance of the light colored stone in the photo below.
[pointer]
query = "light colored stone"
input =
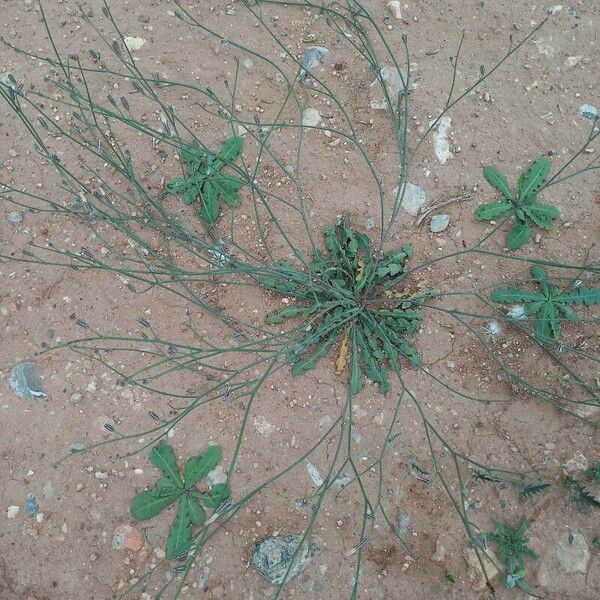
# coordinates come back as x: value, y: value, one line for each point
x: 414, y: 199
x: 216, y: 476
x: 392, y: 79
x: 572, y: 61
x: 475, y: 571
x: 15, y: 217
x: 312, y: 57
x: 588, y: 111
x: 273, y: 556
x: 133, y: 43
x: 573, y: 553
x: 395, y: 9
x: 12, y: 512
x: 578, y: 462
x: 311, y: 117
x: 314, y: 474
x: 440, y: 551
x: 439, y: 223
x: 441, y: 143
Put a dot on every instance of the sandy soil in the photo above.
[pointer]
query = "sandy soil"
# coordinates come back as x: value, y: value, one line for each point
x: 530, y: 108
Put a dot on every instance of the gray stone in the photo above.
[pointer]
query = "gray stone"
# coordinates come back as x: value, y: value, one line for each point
x: 414, y: 199
x: 272, y: 557
x: 573, y: 553
x: 392, y: 79
x: 588, y: 111
x: 14, y: 216
x: 312, y: 57
x: 311, y: 117
x: 25, y: 381
x: 439, y: 223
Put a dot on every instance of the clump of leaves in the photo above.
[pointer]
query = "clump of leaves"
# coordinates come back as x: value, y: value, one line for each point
x: 585, y: 494
x: 511, y: 545
x: 181, y: 488
x: 548, y: 303
x: 523, y: 204
x: 345, y: 292
x: 204, y: 178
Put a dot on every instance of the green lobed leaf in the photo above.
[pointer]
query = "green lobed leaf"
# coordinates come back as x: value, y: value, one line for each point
x: 209, y: 211
x: 227, y: 188
x: 191, y: 153
x: 148, y: 504
x: 498, y: 181
x: 190, y: 196
x: 542, y: 215
x: 515, y: 295
x: 569, y: 313
x: 355, y: 370
x: 543, y: 327
x: 218, y: 494
x: 301, y: 366
x: 587, y: 296
x: 231, y: 149
x: 488, y: 212
x: 179, y: 540
x: 534, y: 178
x: 198, y: 467
x: 288, y: 313
x: 179, y: 185
x: 195, y: 512
x: 554, y: 321
x: 518, y: 236
x: 163, y: 457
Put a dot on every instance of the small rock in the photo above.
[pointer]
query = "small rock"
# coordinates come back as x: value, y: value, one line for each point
x: 100, y: 475
x: 25, y: 381
x: 144, y: 19
x: 392, y: 79
x: 39, y: 517
x: 439, y: 223
x: 573, y: 553
x: 159, y: 552
x: 555, y: 9
x: 48, y: 491
x: 314, y: 474
x: 248, y: 64
x: 15, y: 216
x: 476, y: 574
x: 312, y: 57
x: 31, y: 504
x: 395, y: 9
x: 588, y: 111
x: 133, y: 43
x: 311, y: 117
x: 216, y: 476
x: 272, y: 557
x: 577, y: 463
x: 441, y: 144
x: 414, y: 199
x: 342, y: 480
x: 572, y: 61
x: 12, y: 512
x: 127, y: 537
x: 13, y: 153
x: 440, y: 551
x: 403, y: 523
